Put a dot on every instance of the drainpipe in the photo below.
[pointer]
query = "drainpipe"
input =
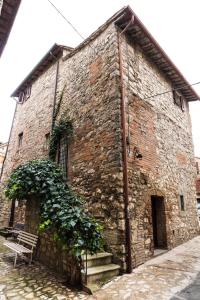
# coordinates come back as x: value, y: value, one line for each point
x: 124, y: 155
x: 55, y: 90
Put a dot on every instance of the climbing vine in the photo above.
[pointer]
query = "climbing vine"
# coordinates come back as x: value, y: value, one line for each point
x: 60, y: 208
x: 60, y: 128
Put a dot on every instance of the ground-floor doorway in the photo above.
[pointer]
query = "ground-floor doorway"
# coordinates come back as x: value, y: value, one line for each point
x: 159, y: 222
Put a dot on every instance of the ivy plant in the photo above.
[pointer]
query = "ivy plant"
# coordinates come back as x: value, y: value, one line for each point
x: 60, y: 208
x: 60, y: 128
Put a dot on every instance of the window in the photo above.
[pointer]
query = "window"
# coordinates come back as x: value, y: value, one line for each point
x: 24, y: 95
x: 20, y: 139
x: 197, y: 167
x: 182, y: 203
x: 47, y: 139
x: 198, y: 207
x: 178, y: 100
x: 63, y: 156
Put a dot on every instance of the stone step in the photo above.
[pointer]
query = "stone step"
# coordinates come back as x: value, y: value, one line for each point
x: 99, y: 259
x: 101, y: 273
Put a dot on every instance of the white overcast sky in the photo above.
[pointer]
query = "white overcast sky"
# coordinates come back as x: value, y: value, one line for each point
x: 174, y: 23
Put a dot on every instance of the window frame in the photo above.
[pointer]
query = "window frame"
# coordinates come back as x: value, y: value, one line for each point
x: 178, y: 100
x: 25, y: 94
x: 65, y: 169
x: 47, y: 141
x: 182, y: 202
x: 20, y: 139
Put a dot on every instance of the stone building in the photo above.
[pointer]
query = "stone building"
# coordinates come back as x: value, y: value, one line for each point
x: 131, y: 155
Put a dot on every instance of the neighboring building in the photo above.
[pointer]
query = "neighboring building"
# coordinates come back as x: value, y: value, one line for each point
x: 131, y: 155
x: 8, y: 11
x: 3, y: 147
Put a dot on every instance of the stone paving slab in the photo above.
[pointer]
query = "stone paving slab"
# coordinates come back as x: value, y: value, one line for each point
x: 31, y: 282
x: 171, y: 276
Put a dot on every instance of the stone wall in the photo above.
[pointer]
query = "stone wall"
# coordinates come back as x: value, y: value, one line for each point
x: 48, y: 251
x: 34, y: 119
x: 19, y: 214
x: 91, y: 100
x: 197, y: 164
x: 4, y: 209
x: 162, y: 133
x: 3, y: 147
x: 89, y: 82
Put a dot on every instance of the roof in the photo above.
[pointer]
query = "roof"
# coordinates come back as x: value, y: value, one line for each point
x: 7, y: 17
x: 51, y: 56
x: 139, y: 33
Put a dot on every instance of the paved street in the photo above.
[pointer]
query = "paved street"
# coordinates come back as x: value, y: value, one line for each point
x: 171, y: 276
x: 174, y: 275
x: 31, y: 282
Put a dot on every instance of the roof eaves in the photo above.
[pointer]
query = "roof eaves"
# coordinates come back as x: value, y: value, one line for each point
x: 51, y: 56
x: 160, y: 57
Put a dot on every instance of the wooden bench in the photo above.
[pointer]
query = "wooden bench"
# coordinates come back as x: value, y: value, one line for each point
x: 26, y: 244
x: 11, y: 231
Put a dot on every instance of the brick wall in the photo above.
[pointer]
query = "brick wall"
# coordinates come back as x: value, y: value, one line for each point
x: 198, y: 186
x: 162, y: 133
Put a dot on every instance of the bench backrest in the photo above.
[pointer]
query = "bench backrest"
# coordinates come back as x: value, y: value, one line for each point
x: 18, y: 226
x: 27, y: 238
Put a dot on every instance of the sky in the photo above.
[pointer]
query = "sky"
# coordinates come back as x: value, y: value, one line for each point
x: 174, y: 24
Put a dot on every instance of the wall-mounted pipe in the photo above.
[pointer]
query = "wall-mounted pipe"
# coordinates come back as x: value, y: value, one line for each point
x: 124, y: 155
x: 54, y: 96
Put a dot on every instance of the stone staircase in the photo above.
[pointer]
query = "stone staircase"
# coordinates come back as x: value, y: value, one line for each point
x: 100, y: 269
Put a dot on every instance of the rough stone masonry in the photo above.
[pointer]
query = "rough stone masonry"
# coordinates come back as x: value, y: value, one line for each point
x: 162, y: 205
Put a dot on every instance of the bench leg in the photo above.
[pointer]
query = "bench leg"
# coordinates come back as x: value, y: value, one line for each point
x: 31, y: 257
x: 15, y: 260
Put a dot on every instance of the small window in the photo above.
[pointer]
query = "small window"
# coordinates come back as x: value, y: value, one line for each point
x: 63, y: 156
x: 23, y: 96
x: 197, y: 167
x: 178, y: 100
x: 47, y: 140
x: 198, y: 208
x: 182, y: 203
x: 20, y: 140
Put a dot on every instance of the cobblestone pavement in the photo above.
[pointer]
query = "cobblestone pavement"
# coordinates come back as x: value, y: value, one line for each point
x: 31, y: 282
x: 174, y: 275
